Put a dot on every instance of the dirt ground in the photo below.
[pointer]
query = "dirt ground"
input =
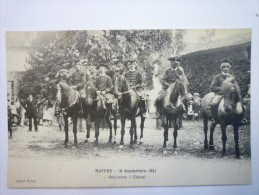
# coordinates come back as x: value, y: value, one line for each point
x: 48, y: 143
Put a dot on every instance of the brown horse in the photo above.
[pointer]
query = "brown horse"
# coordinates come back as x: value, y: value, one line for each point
x: 93, y: 107
x: 129, y: 108
x: 230, y: 112
x: 172, y: 108
x: 69, y: 104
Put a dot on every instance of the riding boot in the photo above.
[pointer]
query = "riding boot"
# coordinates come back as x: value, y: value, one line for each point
x: 81, y: 107
x: 213, y: 110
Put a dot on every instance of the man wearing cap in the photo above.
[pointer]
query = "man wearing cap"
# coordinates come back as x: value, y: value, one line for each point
x: 217, y: 83
x: 169, y: 77
x: 77, y: 79
x: 103, y: 85
x: 134, y: 79
x: 218, y: 80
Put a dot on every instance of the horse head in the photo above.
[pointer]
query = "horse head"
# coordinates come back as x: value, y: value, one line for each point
x: 179, y: 88
x: 51, y: 91
x: 120, y: 85
x: 231, y: 94
x: 90, y: 93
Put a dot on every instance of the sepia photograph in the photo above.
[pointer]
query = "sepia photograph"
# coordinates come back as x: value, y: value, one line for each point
x: 128, y: 108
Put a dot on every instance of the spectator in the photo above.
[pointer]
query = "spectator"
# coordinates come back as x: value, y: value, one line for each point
x: 31, y: 110
x: 48, y: 113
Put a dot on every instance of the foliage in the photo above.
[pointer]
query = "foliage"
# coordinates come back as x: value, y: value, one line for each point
x: 201, y: 67
x: 52, y: 51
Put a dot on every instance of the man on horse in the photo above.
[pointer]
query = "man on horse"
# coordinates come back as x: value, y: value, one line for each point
x: 217, y: 81
x: 169, y: 77
x: 103, y: 85
x: 134, y: 79
x: 77, y: 81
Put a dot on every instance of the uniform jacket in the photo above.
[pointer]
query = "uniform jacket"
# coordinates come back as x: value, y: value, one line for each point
x: 103, y: 83
x: 217, y: 82
x: 171, y: 75
x: 134, y: 79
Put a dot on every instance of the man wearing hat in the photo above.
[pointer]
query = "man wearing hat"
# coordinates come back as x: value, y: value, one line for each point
x: 217, y: 83
x: 103, y: 85
x: 77, y: 79
x: 134, y: 79
x: 169, y: 77
x: 218, y: 80
x: 172, y: 73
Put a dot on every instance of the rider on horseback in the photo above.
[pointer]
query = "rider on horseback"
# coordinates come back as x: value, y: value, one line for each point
x: 103, y: 85
x: 169, y: 77
x: 77, y: 81
x: 216, y: 85
x: 134, y: 79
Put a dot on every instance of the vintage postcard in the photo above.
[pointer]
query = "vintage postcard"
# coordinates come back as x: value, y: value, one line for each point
x: 121, y: 108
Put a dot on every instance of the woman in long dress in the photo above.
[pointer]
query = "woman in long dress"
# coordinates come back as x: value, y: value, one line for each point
x: 48, y: 113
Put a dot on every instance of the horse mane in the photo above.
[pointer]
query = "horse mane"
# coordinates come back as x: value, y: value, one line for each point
x: 124, y: 84
x: 228, y: 83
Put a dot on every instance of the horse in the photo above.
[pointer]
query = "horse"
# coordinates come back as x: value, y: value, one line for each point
x: 69, y: 104
x: 229, y: 112
x: 129, y: 108
x: 93, y: 107
x: 172, y: 108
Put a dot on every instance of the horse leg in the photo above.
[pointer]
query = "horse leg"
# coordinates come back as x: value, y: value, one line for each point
x: 205, y: 124
x: 115, y: 127
x: 122, y: 131
x: 66, y: 130
x: 142, y: 128
x: 165, y: 122
x: 224, y: 138
x: 75, y: 130
x: 97, y: 127
x: 88, y: 127
x: 236, y: 137
x: 211, y: 143
x: 131, y: 131
x: 135, y: 131
x: 175, y: 123
x: 107, y: 118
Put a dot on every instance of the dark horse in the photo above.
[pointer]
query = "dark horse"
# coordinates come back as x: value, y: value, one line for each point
x: 69, y: 104
x: 172, y: 107
x: 229, y: 112
x: 93, y: 107
x: 129, y: 108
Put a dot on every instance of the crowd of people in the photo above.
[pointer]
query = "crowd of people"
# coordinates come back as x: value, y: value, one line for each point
x: 36, y: 110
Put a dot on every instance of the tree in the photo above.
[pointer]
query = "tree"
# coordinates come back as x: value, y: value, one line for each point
x: 52, y: 51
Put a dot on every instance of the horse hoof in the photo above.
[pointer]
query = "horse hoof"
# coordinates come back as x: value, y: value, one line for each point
x: 164, y: 152
x: 86, y: 141
x: 121, y: 146
x: 212, y: 148
x: 175, y: 146
x: 206, y: 147
x: 114, y: 142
